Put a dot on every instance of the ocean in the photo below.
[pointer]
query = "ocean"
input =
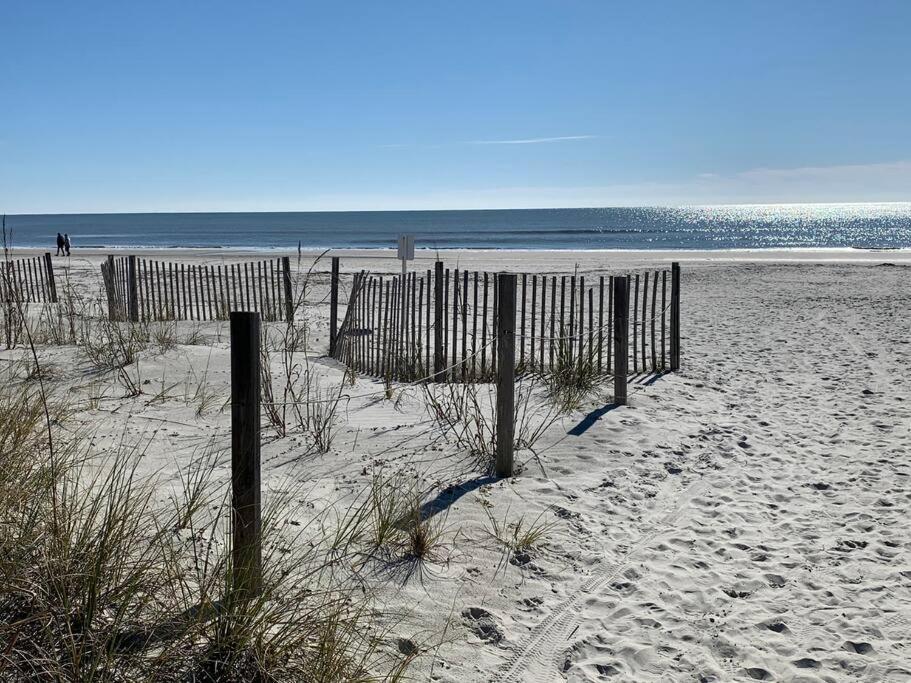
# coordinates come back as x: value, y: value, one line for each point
x: 884, y: 226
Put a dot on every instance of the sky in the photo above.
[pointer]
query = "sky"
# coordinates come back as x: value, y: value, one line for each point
x: 282, y: 106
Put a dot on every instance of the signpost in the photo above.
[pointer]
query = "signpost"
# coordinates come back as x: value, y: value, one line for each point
x: 406, y: 251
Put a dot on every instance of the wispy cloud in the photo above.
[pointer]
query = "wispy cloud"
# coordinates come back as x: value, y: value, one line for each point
x: 533, y: 141
x: 518, y: 141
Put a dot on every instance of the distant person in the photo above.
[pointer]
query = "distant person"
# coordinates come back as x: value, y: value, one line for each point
x: 66, y: 243
x: 60, y: 244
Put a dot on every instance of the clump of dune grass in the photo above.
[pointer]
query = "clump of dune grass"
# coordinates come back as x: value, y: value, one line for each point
x: 424, y: 535
x: 100, y: 581
x: 309, y: 622
x: 399, y: 528
x: 573, y: 376
x: 388, y: 509
x: 520, y: 535
x: 466, y: 415
x: 164, y: 334
x: 78, y: 563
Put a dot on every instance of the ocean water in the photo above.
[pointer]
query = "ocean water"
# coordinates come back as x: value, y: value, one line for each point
x: 703, y: 227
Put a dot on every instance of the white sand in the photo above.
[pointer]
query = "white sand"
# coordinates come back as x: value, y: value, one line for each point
x: 746, y: 518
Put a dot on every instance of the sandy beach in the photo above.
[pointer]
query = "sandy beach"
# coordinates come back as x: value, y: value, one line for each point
x: 634, y: 405
x: 745, y: 518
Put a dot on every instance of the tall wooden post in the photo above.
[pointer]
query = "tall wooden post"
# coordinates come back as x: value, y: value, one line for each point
x: 438, y: 359
x: 289, y: 294
x: 506, y: 372
x: 52, y: 285
x: 675, y: 316
x: 246, y: 504
x: 621, y: 339
x: 333, y: 306
x: 133, y: 293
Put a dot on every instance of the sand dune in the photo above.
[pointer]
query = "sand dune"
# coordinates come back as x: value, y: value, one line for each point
x: 744, y: 519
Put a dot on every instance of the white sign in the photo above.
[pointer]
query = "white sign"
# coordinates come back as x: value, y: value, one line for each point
x: 406, y: 247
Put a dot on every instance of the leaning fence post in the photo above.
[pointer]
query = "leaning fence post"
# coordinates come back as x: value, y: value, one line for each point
x: 675, y: 316
x: 110, y: 286
x: 246, y: 503
x: 133, y: 293
x: 49, y: 267
x: 621, y: 339
x: 438, y: 360
x: 333, y: 306
x: 506, y: 372
x: 286, y: 280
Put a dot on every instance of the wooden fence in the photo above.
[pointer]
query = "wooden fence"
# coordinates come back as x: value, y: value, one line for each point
x: 443, y: 322
x: 143, y: 289
x: 28, y: 280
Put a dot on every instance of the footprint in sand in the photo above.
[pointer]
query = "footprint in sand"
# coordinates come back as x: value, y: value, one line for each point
x: 806, y: 663
x: 777, y: 627
x: 406, y: 647
x: 775, y: 580
x: 482, y: 623
x: 859, y: 648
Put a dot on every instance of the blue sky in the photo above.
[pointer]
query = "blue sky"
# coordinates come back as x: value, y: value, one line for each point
x: 196, y: 106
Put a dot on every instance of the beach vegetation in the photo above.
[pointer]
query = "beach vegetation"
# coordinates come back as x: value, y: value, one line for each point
x: 520, y: 534
x: 466, y: 415
x: 100, y: 581
x: 573, y: 376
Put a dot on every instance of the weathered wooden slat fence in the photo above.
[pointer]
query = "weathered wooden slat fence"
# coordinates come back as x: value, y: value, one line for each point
x: 442, y: 322
x: 144, y: 289
x: 28, y: 280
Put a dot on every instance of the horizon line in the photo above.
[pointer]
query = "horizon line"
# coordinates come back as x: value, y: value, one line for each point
x: 525, y: 208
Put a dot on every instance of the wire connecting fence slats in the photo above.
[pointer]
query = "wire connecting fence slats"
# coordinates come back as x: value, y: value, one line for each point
x: 145, y: 289
x: 442, y: 324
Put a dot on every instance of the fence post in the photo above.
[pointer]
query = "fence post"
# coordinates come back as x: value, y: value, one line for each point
x: 438, y: 360
x: 113, y: 312
x: 49, y: 267
x: 621, y: 339
x: 675, y: 316
x: 506, y: 372
x: 246, y: 513
x: 133, y: 293
x: 289, y: 295
x: 333, y: 306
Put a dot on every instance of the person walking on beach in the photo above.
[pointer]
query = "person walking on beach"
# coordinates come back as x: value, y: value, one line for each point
x: 60, y: 244
x: 66, y: 243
